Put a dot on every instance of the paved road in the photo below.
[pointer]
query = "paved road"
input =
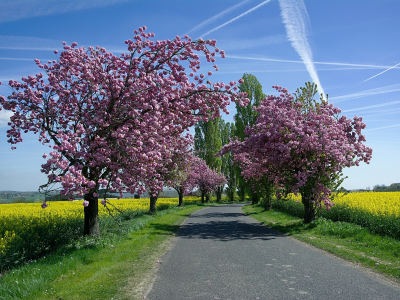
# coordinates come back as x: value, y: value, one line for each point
x: 219, y: 253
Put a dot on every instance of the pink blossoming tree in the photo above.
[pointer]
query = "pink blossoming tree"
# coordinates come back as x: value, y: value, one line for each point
x: 301, y: 144
x: 174, y: 168
x: 109, y: 119
x: 179, y: 177
x: 204, y: 178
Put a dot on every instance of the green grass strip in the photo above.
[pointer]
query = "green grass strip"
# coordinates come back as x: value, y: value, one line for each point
x: 377, y: 224
x: 118, y: 265
x: 346, y: 240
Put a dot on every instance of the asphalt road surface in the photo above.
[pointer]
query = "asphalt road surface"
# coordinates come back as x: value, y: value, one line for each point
x: 219, y: 253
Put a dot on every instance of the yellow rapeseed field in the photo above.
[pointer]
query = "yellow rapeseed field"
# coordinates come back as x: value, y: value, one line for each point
x: 377, y: 203
x: 24, y: 219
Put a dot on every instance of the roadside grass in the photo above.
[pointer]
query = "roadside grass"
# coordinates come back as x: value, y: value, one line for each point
x: 346, y: 240
x: 379, y: 222
x: 116, y: 265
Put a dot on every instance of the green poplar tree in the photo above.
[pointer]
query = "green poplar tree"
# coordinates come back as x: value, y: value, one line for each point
x: 227, y: 160
x: 208, y: 143
x: 247, y: 116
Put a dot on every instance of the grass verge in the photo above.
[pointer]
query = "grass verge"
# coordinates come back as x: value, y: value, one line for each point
x: 346, y: 240
x: 113, y: 267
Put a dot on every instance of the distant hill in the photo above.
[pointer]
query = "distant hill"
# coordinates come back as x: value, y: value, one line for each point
x: 394, y: 187
x: 31, y: 197
x: 20, y: 197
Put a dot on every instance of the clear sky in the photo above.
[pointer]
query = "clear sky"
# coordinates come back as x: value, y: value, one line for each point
x: 350, y: 48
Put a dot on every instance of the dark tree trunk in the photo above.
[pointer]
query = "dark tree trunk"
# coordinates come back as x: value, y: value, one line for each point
x: 91, y: 212
x: 254, y: 198
x: 179, y: 190
x: 153, y: 201
x: 268, y: 204
x: 180, y: 194
x: 309, y: 207
x: 219, y: 196
x: 269, y: 193
x: 202, y: 197
x: 231, y: 195
x: 309, y: 212
x: 219, y: 193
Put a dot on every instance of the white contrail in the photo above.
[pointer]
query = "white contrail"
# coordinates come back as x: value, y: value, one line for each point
x: 279, y: 70
x: 382, y: 112
x: 15, y: 58
x: 381, y: 73
x: 28, y: 43
x: 217, y: 16
x: 372, y: 106
x: 294, y: 14
x: 236, y: 44
x: 21, y: 9
x: 385, y: 127
x: 393, y: 67
x: 377, y: 91
x: 315, y: 62
x: 236, y: 18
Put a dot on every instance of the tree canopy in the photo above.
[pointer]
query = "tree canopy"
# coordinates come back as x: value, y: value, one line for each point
x: 111, y: 120
x: 301, y: 143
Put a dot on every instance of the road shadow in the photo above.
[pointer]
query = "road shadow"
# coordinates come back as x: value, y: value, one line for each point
x: 218, y: 215
x: 227, y: 231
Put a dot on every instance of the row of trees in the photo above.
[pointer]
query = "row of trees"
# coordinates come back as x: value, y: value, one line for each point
x: 212, y: 135
x: 281, y: 144
x: 118, y: 122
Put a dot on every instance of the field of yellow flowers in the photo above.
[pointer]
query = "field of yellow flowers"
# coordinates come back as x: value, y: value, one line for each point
x: 377, y: 211
x: 377, y: 203
x: 27, y: 230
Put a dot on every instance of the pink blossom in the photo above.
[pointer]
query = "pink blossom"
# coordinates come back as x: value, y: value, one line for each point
x: 85, y: 203
x: 155, y: 108
x: 308, y: 146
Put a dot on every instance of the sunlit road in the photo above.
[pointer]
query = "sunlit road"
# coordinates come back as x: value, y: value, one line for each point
x: 219, y: 253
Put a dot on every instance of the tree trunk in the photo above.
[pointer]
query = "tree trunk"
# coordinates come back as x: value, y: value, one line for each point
x: 180, y: 194
x: 309, y: 212
x: 91, y: 212
x: 309, y: 207
x: 219, y: 193
x: 254, y: 198
x: 208, y: 197
x: 231, y: 195
x: 153, y: 201
x: 269, y: 194
x: 242, y: 192
x: 268, y: 204
x: 219, y: 196
x: 202, y: 197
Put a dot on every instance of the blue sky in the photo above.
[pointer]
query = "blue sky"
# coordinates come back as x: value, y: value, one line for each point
x: 351, y: 48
